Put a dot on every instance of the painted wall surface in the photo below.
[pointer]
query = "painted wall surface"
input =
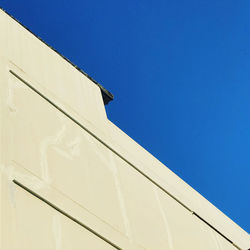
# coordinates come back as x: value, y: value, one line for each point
x: 70, y: 179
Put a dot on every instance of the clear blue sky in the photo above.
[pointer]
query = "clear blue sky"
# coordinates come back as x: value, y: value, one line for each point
x: 180, y: 73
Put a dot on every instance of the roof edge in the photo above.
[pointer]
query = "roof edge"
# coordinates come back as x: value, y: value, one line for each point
x: 106, y: 95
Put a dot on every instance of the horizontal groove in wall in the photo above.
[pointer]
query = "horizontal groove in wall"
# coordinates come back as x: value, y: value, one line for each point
x: 119, y: 155
x: 195, y: 214
x: 65, y: 214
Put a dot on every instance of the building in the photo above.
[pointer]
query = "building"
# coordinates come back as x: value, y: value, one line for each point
x: 70, y: 179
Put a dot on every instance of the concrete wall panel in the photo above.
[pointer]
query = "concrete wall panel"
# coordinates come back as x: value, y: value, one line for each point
x: 60, y: 153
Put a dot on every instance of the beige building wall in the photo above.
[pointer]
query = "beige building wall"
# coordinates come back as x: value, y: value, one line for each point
x: 71, y: 180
